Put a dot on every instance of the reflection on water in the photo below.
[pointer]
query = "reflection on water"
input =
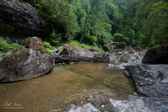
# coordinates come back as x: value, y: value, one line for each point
x: 66, y: 84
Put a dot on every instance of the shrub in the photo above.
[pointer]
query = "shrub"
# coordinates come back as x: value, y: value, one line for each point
x: 55, y: 38
x: 76, y: 43
x: 5, y: 46
x: 48, y: 47
x: 48, y: 51
x: 90, y: 38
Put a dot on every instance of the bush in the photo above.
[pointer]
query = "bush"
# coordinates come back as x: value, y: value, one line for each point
x: 5, y: 46
x: 55, y: 38
x: 90, y: 38
x: 48, y: 47
x: 48, y: 51
x: 47, y: 44
x: 76, y: 43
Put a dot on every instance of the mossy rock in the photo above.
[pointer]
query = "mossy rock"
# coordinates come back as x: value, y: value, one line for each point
x: 35, y: 43
x: 25, y: 64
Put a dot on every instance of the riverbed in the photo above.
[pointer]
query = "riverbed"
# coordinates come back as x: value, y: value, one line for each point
x: 65, y: 85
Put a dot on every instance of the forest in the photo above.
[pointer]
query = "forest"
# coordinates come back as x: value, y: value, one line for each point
x: 141, y: 23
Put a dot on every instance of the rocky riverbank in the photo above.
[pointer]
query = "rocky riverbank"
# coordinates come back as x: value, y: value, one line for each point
x: 150, y: 80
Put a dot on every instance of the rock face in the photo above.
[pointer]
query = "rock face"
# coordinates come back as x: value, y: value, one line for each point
x: 157, y: 55
x: 26, y: 63
x: 16, y: 15
x: 150, y: 80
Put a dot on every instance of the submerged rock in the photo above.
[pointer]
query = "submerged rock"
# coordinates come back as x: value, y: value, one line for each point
x: 25, y: 64
x: 158, y: 55
x: 150, y: 80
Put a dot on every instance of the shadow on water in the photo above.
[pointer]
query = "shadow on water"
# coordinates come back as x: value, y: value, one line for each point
x: 66, y: 84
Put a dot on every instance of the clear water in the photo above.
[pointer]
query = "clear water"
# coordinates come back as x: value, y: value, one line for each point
x: 66, y: 84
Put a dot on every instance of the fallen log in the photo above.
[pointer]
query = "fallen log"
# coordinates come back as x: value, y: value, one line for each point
x: 63, y: 58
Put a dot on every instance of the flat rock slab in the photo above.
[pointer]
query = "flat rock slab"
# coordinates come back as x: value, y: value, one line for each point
x: 150, y: 80
x: 130, y: 104
x: 140, y: 104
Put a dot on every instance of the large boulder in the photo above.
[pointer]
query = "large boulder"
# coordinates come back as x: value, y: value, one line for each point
x: 25, y: 64
x: 150, y: 80
x: 75, y: 51
x: 158, y: 55
x: 19, y: 17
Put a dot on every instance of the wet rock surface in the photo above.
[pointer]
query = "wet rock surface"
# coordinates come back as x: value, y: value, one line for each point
x: 150, y: 80
x: 156, y: 55
x: 128, y: 56
x: 140, y: 104
x: 131, y: 104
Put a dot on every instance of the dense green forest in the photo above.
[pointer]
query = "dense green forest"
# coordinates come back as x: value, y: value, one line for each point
x: 98, y: 22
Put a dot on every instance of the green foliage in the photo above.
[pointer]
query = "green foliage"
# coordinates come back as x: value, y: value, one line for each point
x: 136, y: 22
x: 118, y: 36
x: 90, y: 39
x: 55, y: 38
x: 76, y: 43
x: 48, y: 47
x: 5, y: 46
x: 48, y: 51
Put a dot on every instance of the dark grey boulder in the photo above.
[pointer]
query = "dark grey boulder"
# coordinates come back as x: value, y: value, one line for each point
x: 158, y: 55
x: 150, y: 80
x: 19, y: 18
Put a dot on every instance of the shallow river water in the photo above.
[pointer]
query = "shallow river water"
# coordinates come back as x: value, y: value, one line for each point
x: 66, y: 84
